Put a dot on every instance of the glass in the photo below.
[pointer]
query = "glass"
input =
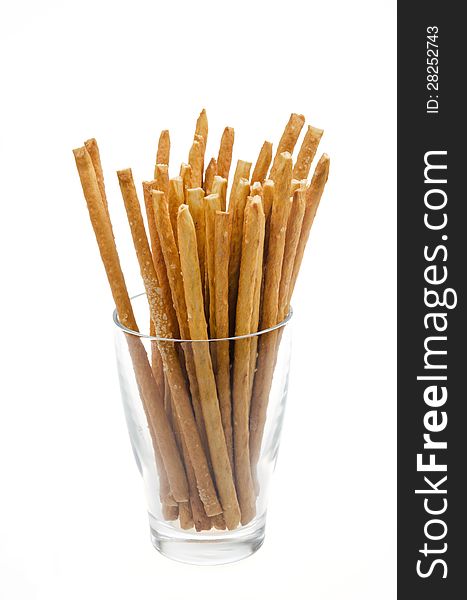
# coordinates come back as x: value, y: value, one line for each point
x: 249, y: 380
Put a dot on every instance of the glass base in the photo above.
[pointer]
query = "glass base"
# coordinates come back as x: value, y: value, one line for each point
x: 207, y: 548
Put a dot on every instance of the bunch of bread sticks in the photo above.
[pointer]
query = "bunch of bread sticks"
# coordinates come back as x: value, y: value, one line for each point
x: 218, y: 260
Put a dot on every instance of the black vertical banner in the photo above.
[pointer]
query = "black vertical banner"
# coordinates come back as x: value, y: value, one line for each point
x: 432, y: 304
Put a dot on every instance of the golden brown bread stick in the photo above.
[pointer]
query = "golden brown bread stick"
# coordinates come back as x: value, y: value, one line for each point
x: 206, y: 381
x: 158, y: 258
x: 185, y: 174
x: 168, y: 352
x: 294, y: 226
x: 196, y: 161
x: 175, y: 197
x: 163, y: 148
x: 211, y: 171
x: 195, y: 201
x: 93, y: 150
x: 288, y: 140
x: 307, y: 152
x: 222, y: 227
x: 219, y: 186
x: 242, y: 171
x: 263, y: 163
x: 270, y: 305
x: 161, y: 177
x: 277, y: 233
x: 202, y: 125
x: 224, y: 158
x: 237, y: 208
x: 212, y: 204
x: 313, y: 197
x: 251, y: 240
x: 258, y: 280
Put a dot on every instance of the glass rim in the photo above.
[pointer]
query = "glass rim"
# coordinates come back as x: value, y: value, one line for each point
x: 232, y: 338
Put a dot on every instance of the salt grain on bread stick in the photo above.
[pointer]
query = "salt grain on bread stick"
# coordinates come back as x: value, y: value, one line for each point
x: 253, y: 232
x: 270, y: 306
x: 313, y: 197
x: 224, y: 158
x: 196, y: 160
x: 157, y: 419
x: 211, y: 171
x: 206, y: 381
x: 222, y: 228
x: 93, y: 150
x: 294, y: 226
x: 262, y: 164
x: 288, y: 140
x: 307, y: 152
x: 219, y: 186
x: 169, y: 354
x: 237, y: 208
x: 212, y: 204
x: 175, y: 197
x: 163, y: 148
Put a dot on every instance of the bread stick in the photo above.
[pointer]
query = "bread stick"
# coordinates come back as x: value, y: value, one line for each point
x: 158, y: 258
x: 252, y: 233
x: 93, y: 150
x: 237, y: 208
x: 202, y: 125
x: 219, y: 186
x: 224, y: 158
x: 195, y: 201
x: 263, y: 163
x: 212, y: 204
x: 242, y: 171
x: 270, y: 306
x: 163, y: 148
x: 211, y: 171
x: 294, y: 226
x: 196, y: 160
x: 307, y: 152
x: 161, y: 178
x: 185, y: 174
x: 288, y: 140
x: 206, y: 381
x: 222, y: 229
x: 313, y: 197
x: 175, y: 197
x: 168, y: 352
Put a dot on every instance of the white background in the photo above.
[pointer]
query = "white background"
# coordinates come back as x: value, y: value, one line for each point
x: 72, y: 513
